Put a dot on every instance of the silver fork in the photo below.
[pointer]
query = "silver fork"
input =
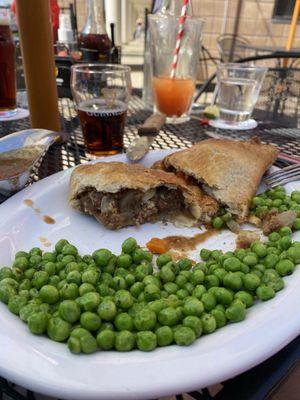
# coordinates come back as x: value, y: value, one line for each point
x: 283, y: 176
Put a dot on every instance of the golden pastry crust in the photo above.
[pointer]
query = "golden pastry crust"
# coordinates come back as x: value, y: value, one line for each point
x: 229, y: 170
x: 112, y: 177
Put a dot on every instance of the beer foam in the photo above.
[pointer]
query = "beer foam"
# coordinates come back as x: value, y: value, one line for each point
x: 89, y: 107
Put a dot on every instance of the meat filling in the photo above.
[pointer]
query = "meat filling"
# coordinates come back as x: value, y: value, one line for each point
x: 131, y: 207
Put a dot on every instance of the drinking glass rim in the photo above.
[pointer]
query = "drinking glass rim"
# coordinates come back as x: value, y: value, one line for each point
x: 242, y: 66
x: 96, y: 68
x: 191, y: 18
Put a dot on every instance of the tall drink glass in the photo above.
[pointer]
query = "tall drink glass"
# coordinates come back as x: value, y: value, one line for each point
x: 101, y: 93
x: 238, y: 88
x: 173, y: 96
x: 8, y: 104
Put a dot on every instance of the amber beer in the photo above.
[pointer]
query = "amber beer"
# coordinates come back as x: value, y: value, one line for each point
x: 102, y: 126
x: 7, y: 70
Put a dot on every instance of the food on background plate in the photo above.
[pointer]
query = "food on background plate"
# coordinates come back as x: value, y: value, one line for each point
x: 230, y: 171
x: 120, y: 195
x: 14, y: 162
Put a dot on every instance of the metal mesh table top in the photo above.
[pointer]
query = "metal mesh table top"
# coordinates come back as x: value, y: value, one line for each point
x: 72, y: 152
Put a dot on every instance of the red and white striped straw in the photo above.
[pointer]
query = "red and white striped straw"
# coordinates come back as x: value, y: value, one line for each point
x: 179, y: 37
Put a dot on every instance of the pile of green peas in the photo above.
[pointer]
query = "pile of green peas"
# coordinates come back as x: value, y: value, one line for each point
x: 105, y: 302
x: 274, y: 199
x: 277, y: 199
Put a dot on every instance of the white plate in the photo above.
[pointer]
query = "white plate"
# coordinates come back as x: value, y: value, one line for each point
x: 48, y: 367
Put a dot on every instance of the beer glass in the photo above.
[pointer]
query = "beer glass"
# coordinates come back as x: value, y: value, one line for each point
x: 101, y: 93
x: 8, y: 105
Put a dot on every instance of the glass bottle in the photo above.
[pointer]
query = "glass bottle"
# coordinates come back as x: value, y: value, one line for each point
x: 94, y: 41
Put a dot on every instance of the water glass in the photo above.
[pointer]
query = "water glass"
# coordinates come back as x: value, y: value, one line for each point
x: 238, y: 90
x: 101, y: 93
x: 173, y: 96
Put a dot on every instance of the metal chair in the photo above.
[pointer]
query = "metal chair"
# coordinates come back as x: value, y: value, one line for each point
x: 228, y: 44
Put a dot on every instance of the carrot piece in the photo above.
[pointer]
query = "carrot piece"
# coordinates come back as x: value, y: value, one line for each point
x: 157, y: 246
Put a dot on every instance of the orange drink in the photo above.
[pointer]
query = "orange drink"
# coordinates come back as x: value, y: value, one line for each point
x: 173, y: 97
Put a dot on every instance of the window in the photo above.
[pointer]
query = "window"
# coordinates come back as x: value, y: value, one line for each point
x: 283, y: 10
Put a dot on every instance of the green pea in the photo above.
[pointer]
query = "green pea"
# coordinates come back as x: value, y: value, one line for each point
x: 232, y: 264
x: 138, y: 255
x: 285, y: 231
x: 205, y: 254
x: 54, y: 280
x: 285, y: 267
x: 197, y: 277
x: 136, y: 289
x: 6, y: 292
x: 294, y: 254
x: 69, y: 250
x: 15, y: 304
x: 209, y: 323
x: 129, y: 245
x: 60, y: 245
x: 251, y: 281
x: 106, y: 339
x: 107, y: 310
x: 169, y: 287
x: 102, y: 257
x: 40, y: 278
x: 245, y: 297
x: 22, y: 263
x: 90, y: 321
x: 233, y: 281
x: 37, y: 323
x: 81, y: 340
x: 184, y: 264
x: 198, y: 291
x: 123, y: 299
x: 118, y: 283
x: 164, y: 335
x: 124, y: 261
x: 211, y: 281
x: 11, y: 282
x: 250, y: 260
x: 193, y: 306
x: 90, y: 301
x: 184, y: 336
x: 86, y: 288
x: 182, y: 294
x: 209, y: 301
x: 217, y: 222
x: 124, y: 341
x: 276, y: 284
x: 295, y: 196
x: 49, y: 257
x: 90, y: 276
x: 142, y: 271
x: 146, y: 341
x: 69, y: 291
x: 74, y: 277
x: 219, y: 316
x: 58, y: 329
x: 296, y: 224
x: 265, y: 292
x: 49, y: 294
x: 259, y: 249
x: 235, y: 312
x: 274, y: 237
x: 5, y: 272
x: 123, y: 321
x: 145, y: 320
x: 285, y: 242
x: 224, y: 296
x: 166, y: 274
x: 69, y: 311
x: 194, y: 323
x: 27, y: 310
x: 163, y: 259
x: 34, y: 293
